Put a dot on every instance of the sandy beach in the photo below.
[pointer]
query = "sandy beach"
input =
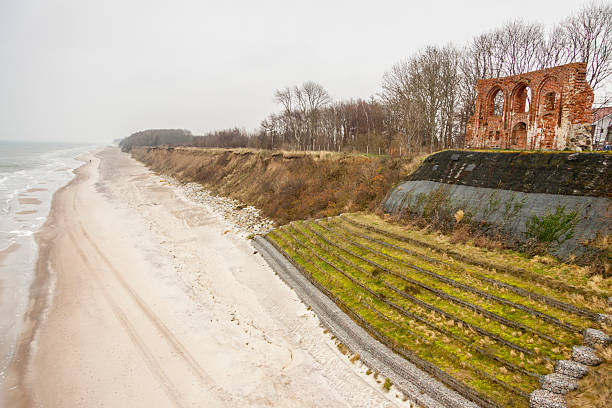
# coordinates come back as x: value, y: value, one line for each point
x: 145, y: 299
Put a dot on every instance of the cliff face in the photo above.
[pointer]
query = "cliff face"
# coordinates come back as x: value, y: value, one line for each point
x: 286, y: 186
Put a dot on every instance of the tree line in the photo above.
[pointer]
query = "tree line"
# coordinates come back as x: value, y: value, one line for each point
x: 157, y: 137
x: 427, y: 99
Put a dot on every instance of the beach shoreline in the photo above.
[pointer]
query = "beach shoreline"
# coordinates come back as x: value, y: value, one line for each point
x: 39, y: 299
x: 155, y: 303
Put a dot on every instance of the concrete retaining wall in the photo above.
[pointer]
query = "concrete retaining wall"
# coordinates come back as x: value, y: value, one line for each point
x: 471, y: 191
x: 566, y: 173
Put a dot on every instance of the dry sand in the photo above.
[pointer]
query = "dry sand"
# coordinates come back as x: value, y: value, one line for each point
x: 8, y: 250
x: 152, y: 305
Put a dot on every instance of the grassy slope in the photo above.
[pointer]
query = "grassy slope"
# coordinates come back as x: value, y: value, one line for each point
x: 484, y: 327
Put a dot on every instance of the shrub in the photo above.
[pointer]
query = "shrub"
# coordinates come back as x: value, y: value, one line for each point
x: 437, y: 208
x: 553, y: 227
x: 387, y: 385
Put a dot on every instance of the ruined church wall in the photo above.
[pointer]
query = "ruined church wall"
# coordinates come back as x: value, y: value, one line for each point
x: 558, y: 114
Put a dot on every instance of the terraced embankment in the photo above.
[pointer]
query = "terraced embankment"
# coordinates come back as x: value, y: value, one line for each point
x: 487, y: 325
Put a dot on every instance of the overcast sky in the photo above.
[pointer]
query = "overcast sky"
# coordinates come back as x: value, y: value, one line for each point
x: 81, y: 70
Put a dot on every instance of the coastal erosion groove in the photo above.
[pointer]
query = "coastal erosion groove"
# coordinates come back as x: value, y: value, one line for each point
x: 417, y: 385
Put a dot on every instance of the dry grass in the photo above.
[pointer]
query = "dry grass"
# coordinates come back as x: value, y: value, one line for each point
x: 286, y: 186
x: 601, y: 257
x: 460, y: 233
x: 485, y: 249
x: 595, y: 390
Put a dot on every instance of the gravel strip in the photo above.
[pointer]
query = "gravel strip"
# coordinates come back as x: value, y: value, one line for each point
x: 418, y: 386
x: 243, y: 219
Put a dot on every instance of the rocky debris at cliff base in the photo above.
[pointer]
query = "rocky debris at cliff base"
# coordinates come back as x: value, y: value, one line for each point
x: 243, y: 219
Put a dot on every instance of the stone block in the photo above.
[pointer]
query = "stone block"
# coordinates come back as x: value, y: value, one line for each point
x: 546, y: 399
x: 604, y: 318
x: 571, y: 368
x: 594, y: 337
x: 585, y: 355
x: 558, y: 383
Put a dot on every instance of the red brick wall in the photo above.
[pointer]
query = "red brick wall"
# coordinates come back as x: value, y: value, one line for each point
x: 560, y: 103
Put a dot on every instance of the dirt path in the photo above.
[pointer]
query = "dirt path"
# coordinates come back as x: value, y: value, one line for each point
x: 155, y: 305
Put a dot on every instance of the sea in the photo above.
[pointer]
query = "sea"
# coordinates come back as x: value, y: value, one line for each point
x: 29, y: 175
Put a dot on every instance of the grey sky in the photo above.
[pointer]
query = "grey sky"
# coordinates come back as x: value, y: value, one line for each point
x: 81, y: 70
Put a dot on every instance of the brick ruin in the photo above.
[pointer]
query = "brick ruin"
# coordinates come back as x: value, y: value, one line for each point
x: 545, y: 109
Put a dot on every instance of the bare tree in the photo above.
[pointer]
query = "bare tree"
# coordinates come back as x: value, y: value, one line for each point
x: 287, y: 99
x: 515, y: 48
x: 426, y: 100
x: 588, y: 38
x: 421, y: 94
x: 556, y: 50
x: 521, y: 47
x: 311, y: 97
x: 315, y: 95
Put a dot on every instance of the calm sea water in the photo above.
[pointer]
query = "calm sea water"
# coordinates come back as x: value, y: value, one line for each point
x: 29, y: 175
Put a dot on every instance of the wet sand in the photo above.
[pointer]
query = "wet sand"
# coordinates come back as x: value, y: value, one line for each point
x: 29, y: 200
x: 141, y: 299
